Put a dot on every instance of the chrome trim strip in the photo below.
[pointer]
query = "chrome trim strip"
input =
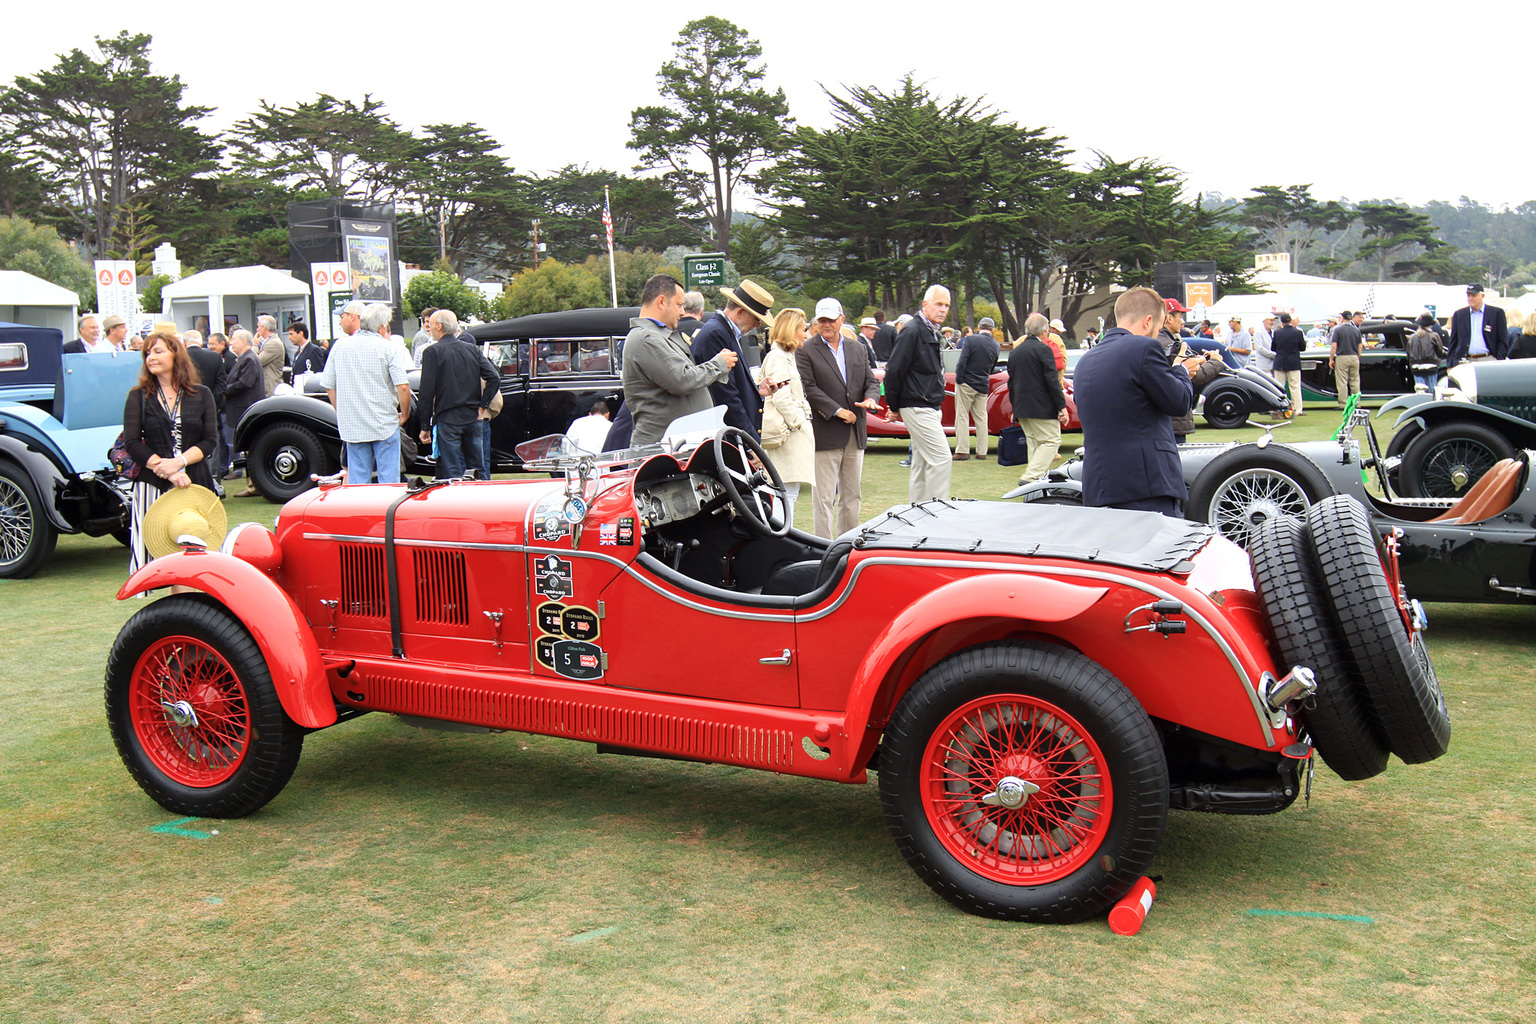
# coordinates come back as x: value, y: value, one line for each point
x: 399, y: 542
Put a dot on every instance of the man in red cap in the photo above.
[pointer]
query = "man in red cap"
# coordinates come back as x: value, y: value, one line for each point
x: 1180, y: 353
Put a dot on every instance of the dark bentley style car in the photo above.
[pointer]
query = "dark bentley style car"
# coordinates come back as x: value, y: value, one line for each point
x: 1384, y: 371
x: 553, y: 367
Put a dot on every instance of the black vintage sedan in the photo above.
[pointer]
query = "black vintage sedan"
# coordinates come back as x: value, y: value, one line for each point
x: 1384, y: 370
x: 553, y: 366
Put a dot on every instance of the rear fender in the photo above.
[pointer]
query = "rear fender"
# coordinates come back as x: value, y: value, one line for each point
x: 315, y: 414
x: 1408, y: 401
x: 885, y: 675
x: 45, y: 474
x: 266, y: 611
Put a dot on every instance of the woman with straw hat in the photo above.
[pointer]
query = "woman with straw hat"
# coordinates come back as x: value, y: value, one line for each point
x: 170, y: 429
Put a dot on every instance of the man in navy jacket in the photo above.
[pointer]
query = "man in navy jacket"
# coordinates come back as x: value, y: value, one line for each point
x: 1127, y: 395
x: 1478, y: 331
x: 746, y: 305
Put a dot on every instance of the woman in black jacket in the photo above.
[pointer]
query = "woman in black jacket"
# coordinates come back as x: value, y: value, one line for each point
x: 170, y: 429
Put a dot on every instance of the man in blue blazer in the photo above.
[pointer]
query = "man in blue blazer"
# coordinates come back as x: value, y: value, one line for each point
x: 1127, y: 395
x: 1478, y: 331
x: 746, y: 305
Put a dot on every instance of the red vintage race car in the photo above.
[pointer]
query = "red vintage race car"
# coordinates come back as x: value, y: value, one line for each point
x: 1035, y: 686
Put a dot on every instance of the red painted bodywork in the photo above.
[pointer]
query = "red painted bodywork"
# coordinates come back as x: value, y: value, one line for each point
x: 999, y: 409
x: 679, y: 673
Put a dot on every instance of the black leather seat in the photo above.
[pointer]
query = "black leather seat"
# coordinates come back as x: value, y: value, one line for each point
x: 799, y: 579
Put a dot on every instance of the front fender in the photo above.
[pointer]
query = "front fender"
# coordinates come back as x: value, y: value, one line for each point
x: 1406, y: 401
x: 1046, y: 489
x: 1430, y: 414
x: 45, y: 474
x: 1027, y: 599
x: 267, y: 611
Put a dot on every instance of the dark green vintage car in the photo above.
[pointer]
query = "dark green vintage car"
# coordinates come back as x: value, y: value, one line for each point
x: 1480, y: 413
x: 1384, y: 371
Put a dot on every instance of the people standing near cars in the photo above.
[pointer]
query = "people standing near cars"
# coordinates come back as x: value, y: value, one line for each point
x: 1425, y: 351
x: 746, y: 306
x: 457, y: 385
x: 210, y: 373
x: 1344, y: 344
x: 1525, y: 345
x: 1039, y: 404
x: 1239, y: 341
x: 590, y: 431
x: 1206, y: 367
x: 787, y: 431
x: 1127, y: 395
x: 1478, y: 330
x: 422, y: 339
x: 1264, y: 346
x: 243, y: 389
x: 914, y: 391
x: 973, y: 382
x: 367, y: 379
x: 170, y: 428
x: 271, y: 351
x: 661, y: 380
x: 841, y: 387
x: 87, y: 330
x: 1289, y: 344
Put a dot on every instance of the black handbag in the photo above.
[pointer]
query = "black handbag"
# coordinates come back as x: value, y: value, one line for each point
x: 118, y: 453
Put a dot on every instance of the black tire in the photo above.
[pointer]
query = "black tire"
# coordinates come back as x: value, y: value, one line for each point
x: 1056, y: 720
x: 281, y: 459
x: 27, y: 536
x: 1243, y: 489
x: 239, y: 750
x: 1338, y: 717
x: 1445, y: 461
x: 1226, y: 409
x: 1391, y: 662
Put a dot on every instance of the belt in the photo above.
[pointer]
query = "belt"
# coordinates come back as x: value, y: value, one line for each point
x: 1480, y: 355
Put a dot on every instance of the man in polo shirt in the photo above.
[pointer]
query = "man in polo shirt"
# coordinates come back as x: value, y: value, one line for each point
x: 914, y: 390
x: 1239, y: 341
x: 1344, y: 357
x: 1478, y: 330
x: 366, y: 377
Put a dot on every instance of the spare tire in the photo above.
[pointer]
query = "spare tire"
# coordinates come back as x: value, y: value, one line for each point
x: 1392, y: 664
x: 1338, y: 718
x: 1241, y: 490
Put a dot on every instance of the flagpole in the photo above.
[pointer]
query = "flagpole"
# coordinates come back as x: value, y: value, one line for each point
x: 613, y: 276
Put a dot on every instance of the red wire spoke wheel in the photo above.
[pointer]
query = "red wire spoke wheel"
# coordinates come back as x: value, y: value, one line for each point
x: 1023, y: 781
x: 189, y: 711
x: 193, y: 712
x: 1017, y: 787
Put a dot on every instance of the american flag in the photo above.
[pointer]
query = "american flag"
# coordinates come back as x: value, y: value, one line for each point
x: 607, y: 219
x: 1370, y: 302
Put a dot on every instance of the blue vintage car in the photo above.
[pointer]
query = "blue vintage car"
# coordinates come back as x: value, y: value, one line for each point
x: 59, y: 415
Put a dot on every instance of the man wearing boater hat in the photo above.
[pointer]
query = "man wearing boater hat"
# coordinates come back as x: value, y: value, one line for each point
x: 746, y: 305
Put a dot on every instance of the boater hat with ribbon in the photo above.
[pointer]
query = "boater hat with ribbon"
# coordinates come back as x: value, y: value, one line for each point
x: 752, y: 297
x: 191, y: 511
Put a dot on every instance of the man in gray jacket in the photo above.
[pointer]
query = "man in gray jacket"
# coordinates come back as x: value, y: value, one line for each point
x: 661, y: 381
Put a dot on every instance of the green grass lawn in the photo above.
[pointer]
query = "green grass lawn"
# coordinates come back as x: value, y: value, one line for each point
x: 407, y: 875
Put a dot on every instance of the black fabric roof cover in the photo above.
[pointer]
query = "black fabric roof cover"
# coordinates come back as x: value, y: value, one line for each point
x: 1136, y: 540
x: 568, y: 323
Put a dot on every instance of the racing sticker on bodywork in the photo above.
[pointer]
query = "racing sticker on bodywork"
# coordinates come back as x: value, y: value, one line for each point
x: 577, y: 659
x: 549, y: 519
x: 552, y: 577
x: 564, y: 644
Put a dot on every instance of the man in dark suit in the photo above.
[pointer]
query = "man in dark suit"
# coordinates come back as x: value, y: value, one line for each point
x: 1288, y: 344
x: 885, y: 337
x: 746, y: 306
x: 89, y: 330
x: 1034, y: 388
x: 1478, y: 331
x: 840, y: 386
x: 1127, y: 395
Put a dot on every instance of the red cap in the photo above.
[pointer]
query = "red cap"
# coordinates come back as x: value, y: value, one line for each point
x: 1175, y: 306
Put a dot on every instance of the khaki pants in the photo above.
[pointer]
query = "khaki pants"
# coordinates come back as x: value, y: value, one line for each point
x: 839, y: 472
x: 1346, y: 377
x: 1044, y: 438
x: 970, y: 405
x: 1290, y: 380
x: 930, y: 453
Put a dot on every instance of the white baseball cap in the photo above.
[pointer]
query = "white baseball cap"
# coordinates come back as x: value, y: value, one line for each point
x: 828, y: 309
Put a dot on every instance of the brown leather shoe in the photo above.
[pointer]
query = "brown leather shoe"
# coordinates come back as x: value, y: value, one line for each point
x: 959, y: 457
x: 249, y: 492
x: 981, y: 458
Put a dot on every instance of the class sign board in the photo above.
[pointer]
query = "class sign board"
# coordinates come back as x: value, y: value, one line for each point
x: 704, y: 270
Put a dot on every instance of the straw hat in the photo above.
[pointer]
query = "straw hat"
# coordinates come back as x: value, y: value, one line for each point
x: 752, y: 297
x: 191, y: 510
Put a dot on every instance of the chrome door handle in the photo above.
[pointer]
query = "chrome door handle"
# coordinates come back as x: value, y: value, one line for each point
x: 782, y: 659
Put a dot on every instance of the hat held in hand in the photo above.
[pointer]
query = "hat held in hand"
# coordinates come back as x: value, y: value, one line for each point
x: 184, y: 511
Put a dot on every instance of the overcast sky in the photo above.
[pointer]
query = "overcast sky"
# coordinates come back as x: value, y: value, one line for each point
x: 1334, y: 94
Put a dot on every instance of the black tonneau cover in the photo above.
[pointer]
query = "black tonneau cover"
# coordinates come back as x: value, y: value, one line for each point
x: 1110, y: 536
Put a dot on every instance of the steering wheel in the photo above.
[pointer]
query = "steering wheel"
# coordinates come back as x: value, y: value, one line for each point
x: 752, y: 494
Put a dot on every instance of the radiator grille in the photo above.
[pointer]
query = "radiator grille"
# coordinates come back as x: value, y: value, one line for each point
x: 442, y: 595
x: 648, y: 730
x: 362, y: 581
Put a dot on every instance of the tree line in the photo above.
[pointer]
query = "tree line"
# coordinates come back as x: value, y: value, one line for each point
x: 905, y: 188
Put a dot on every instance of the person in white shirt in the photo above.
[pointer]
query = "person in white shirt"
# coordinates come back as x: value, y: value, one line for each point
x: 590, y: 431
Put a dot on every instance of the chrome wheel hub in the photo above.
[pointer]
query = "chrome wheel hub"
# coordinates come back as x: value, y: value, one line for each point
x: 286, y: 462
x: 1011, y: 793
x: 180, y: 713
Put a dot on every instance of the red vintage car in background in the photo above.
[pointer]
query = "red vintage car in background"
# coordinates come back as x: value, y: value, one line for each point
x: 999, y: 408
x: 1034, y: 685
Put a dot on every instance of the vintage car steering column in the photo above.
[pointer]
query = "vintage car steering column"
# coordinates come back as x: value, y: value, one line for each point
x: 761, y: 486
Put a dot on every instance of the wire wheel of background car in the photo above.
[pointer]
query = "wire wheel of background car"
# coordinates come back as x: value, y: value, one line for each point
x: 1244, y: 489
x: 193, y: 711
x: 1023, y: 781
x: 1337, y: 717
x: 1445, y: 461
x: 27, y: 537
x: 1379, y: 630
x: 281, y: 459
x: 1226, y: 409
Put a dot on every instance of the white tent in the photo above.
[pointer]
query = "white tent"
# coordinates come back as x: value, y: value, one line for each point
x: 1310, y: 299
x: 214, y: 299
x: 28, y: 299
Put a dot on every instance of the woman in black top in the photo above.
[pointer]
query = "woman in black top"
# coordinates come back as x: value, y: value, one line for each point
x: 1525, y: 345
x: 170, y: 429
